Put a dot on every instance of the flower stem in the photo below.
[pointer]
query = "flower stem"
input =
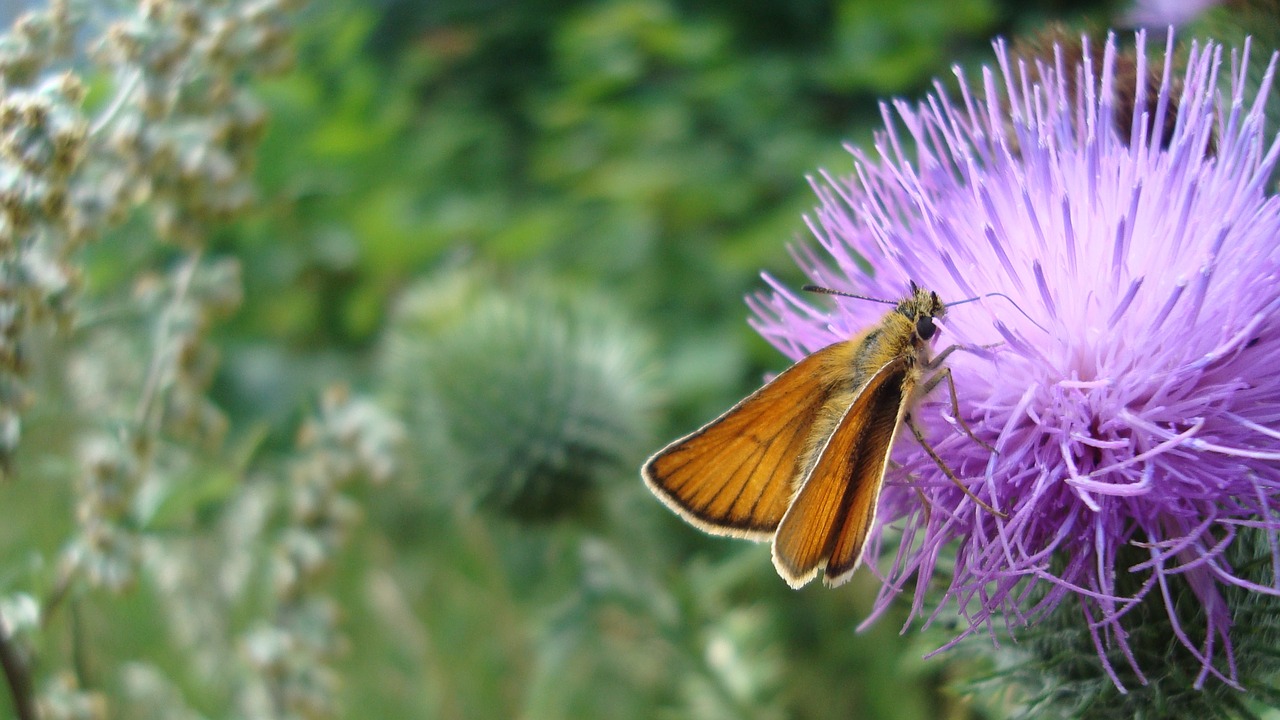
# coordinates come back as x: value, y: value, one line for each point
x: 17, y: 674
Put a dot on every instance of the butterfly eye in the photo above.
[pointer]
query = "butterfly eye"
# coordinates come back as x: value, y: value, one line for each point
x: 925, y: 327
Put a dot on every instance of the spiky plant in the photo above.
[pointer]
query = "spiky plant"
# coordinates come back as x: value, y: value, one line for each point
x: 525, y: 402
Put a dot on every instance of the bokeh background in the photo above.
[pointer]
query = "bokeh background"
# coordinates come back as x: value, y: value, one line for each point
x: 526, y: 229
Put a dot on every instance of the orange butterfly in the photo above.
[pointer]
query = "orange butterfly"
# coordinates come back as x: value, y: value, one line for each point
x: 802, y: 460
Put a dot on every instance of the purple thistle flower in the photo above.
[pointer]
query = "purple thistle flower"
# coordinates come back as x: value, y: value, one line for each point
x: 1163, y: 13
x: 1135, y: 406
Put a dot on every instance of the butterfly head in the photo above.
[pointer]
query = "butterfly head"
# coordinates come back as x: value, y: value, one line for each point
x: 921, y: 308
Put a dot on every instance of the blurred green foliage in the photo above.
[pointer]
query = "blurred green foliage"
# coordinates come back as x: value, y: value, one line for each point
x: 649, y: 155
x: 646, y: 159
x: 650, y: 151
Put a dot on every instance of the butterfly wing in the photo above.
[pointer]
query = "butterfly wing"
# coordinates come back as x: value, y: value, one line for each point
x: 827, y: 524
x: 734, y: 475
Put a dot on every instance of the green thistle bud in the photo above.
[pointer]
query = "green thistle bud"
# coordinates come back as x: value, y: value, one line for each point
x: 1062, y: 676
x: 524, y: 402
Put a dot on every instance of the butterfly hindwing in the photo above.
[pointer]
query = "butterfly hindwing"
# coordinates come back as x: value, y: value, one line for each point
x: 827, y: 523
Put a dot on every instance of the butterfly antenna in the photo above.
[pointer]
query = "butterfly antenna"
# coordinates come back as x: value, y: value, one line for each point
x: 841, y: 293
x: 1006, y: 297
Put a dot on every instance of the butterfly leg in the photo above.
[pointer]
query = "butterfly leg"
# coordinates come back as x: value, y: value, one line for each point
x: 940, y: 357
x: 924, y: 443
x: 915, y: 485
x: 945, y: 374
x: 928, y: 506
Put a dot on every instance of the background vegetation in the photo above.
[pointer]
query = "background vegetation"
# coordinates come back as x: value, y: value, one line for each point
x: 496, y: 256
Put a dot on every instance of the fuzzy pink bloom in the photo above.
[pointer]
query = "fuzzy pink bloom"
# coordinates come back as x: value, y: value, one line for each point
x: 1163, y: 13
x: 1136, y: 404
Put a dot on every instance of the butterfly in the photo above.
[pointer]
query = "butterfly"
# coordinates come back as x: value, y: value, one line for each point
x: 802, y: 460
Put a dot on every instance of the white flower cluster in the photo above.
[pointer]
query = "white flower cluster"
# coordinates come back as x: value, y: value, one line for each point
x: 133, y: 123
x: 351, y: 439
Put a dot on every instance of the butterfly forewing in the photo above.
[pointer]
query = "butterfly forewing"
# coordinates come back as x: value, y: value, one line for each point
x: 832, y: 513
x: 734, y: 475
